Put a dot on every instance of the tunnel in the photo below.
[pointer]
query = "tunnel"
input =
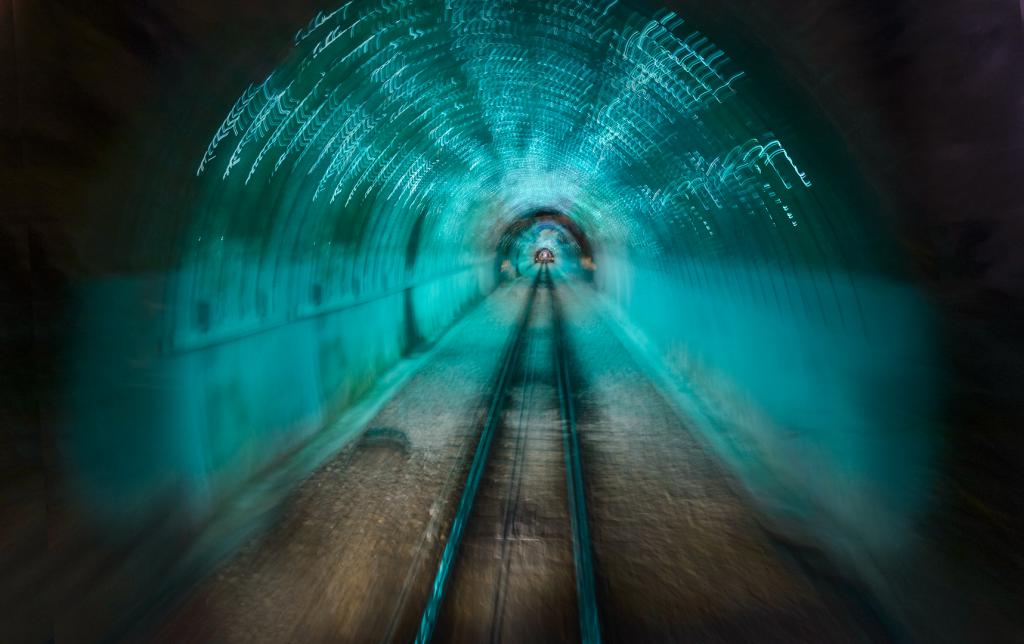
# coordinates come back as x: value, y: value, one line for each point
x: 271, y: 248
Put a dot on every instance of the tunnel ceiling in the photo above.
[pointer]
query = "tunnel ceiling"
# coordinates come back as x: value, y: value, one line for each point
x: 421, y: 129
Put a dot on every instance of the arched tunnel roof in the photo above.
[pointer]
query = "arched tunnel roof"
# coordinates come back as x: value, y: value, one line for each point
x: 454, y: 119
x: 545, y: 219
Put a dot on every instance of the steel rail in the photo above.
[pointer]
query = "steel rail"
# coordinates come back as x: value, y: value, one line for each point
x: 586, y: 594
x: 476, y: 472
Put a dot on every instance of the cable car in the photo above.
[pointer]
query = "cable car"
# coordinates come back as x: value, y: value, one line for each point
x: 544, y: 256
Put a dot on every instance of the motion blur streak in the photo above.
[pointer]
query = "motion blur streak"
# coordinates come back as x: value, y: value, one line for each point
x: 295, y: 212
x: 470, y: 115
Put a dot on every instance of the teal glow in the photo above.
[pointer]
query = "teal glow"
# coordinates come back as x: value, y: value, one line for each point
x: 351, y: 204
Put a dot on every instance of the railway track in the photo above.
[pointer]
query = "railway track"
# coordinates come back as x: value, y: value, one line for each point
x: 474, y: 510
x: 521, y: 523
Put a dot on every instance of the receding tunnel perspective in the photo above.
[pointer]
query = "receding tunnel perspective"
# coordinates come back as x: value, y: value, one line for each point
x: 494, y: 320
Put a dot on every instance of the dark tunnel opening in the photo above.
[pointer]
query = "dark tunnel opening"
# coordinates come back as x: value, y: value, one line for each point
x: 802, y: 219
x: 521, y: 239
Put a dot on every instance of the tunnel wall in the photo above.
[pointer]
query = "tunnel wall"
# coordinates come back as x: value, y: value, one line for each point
x: 154, y: 428
x: 823, y: 408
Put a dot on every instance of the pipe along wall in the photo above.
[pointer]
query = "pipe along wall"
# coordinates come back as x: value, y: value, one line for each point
x: 356, y: 200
